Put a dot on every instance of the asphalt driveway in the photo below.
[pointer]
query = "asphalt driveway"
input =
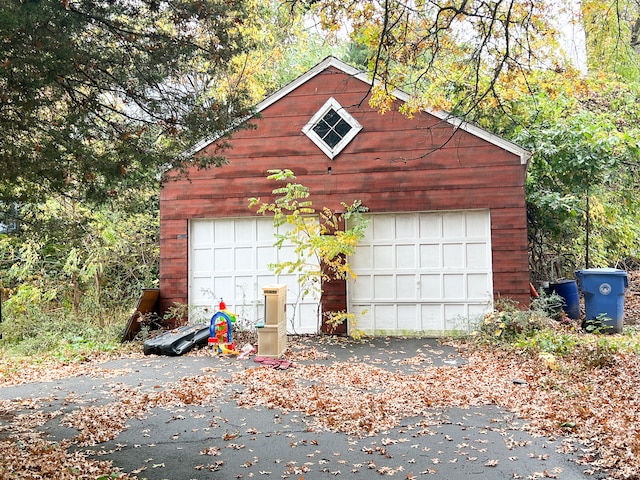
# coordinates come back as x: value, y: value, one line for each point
x: 217, y: 439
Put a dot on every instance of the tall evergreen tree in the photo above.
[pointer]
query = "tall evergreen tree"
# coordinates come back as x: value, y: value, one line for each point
x: 94, y: 94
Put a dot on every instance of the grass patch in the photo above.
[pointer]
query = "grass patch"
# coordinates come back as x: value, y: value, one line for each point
x: 35, y: 332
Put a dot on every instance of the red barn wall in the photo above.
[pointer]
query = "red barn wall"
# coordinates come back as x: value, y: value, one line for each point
x: 394, y: 164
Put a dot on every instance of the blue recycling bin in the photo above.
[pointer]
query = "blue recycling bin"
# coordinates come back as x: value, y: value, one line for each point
x: 603, y: 290
x: 568, y: 290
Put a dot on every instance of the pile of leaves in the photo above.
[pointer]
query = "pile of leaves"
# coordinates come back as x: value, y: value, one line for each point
x: 28, y: 456
x: 36, y: 459
x: 596, y: 408
x: 18, y: 370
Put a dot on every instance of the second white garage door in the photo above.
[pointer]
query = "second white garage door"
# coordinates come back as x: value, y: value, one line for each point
x: 422, y: 273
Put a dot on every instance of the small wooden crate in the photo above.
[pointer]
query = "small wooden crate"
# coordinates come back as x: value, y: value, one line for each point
x: 272, y: 341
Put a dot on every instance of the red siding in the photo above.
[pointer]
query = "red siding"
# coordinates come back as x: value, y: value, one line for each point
x: 394, y: 164
x: 334, y: 299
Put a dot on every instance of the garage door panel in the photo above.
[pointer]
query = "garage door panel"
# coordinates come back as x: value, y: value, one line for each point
x: 244, y: 231
x: 361, y: 261
x: 385, y: 317
x: 383, y: 257
x: 408, y: 319
x: 201, y: 288
x: 202, y: 233
x: 453, y: 225
x: 264, y: 233
x: 364, y: 288
x: 305, y: 311
x: 477, y: 256
x: 406, y: 287
x: 224, y: 287
x: 453, y: 286
x: 431, y: 287
x: 287, y: 254
x: 477, y: 311
x: 430, y: 226
x: 265, y: 279
x: 265, y: 255
x: 432, y: 318
x: 430, y: 256
x: 478, y: 286
x: 202, y: 261
x: 223, y: 230
x: 477, y: 225
x: 291, y: 281
x: 455, y: 315
x: 453, y: 255
x: 422, y: 272
x: 244, y: 259
x: 223, y: 260
x: 245, y: 286
x: 384, y: 227
x: 383, y: 287
x: 405, y: 227
x: 364, y: 315
x: 406, y: 257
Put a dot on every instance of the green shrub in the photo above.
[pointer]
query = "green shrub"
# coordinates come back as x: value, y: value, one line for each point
x: 31, y: 326
x: 557, y: 341
x: 561, y: 343
x: 507, y: 322
x: 550, y: 305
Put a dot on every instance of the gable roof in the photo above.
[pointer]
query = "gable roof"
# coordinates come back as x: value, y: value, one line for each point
x: 399, y: 94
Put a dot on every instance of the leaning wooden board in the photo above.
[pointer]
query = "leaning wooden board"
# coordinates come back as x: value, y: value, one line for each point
x: 147, y: 303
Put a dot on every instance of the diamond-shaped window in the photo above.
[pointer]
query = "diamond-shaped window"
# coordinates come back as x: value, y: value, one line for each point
x: 332, y: 128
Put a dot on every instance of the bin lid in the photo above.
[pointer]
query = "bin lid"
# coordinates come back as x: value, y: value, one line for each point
x: 562, y: 282
x: 601, y: 271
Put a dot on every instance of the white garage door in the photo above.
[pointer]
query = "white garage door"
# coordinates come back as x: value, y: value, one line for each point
x: 422, y: 273
x: 229, y: 259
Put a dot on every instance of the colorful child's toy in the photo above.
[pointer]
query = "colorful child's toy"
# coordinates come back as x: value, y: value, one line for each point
x: 220, y: 331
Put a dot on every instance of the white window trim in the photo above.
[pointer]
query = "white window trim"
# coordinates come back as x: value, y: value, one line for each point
x: 346, y: 116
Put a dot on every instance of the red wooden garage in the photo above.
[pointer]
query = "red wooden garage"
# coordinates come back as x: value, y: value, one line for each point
x: 447, y: 232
